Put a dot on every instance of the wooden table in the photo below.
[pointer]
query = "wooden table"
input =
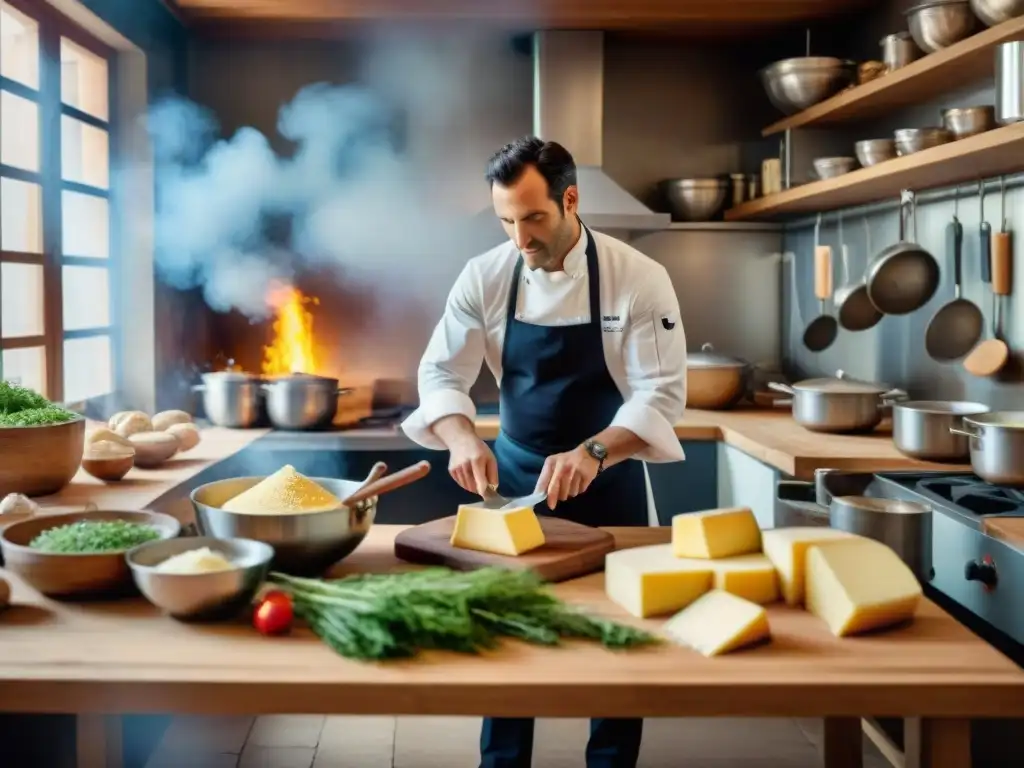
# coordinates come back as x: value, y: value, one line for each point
x: 124, y: 657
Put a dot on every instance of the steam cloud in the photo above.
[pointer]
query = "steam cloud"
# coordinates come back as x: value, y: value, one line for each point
x: 356, y: 196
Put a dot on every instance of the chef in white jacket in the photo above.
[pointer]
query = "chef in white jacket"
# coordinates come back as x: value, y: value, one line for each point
x: 582, y: 334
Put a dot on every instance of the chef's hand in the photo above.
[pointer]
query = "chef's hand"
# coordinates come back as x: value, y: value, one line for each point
x: 472, y: 465
x: 566, y: 475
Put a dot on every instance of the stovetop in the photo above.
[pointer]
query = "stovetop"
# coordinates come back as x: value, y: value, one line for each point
x: 964, y: 492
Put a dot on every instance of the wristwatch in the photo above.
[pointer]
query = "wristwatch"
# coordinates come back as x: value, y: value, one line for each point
x: 597, y: 451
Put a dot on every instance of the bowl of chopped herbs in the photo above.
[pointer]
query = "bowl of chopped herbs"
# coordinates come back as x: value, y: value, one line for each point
x: 41, y: 444
x: 81, y: 554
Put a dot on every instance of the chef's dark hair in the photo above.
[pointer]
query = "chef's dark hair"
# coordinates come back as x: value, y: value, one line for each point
x: 551, y: 160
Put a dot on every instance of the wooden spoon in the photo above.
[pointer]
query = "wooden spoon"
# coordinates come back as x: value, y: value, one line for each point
x: 989, y: 357
x: 390, y: 483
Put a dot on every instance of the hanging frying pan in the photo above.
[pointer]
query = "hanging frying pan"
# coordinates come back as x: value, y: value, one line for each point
x: 904, y: 276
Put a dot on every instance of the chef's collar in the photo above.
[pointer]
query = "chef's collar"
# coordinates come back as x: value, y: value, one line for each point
x: 575, y: 262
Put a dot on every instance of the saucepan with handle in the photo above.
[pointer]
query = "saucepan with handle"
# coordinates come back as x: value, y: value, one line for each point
x: 996, y: 445
x: 838, y: 405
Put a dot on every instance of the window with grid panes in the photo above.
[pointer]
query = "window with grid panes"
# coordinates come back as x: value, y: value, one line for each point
x: 57, y: 255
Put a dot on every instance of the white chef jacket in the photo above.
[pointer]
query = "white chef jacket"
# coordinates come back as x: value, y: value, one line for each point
x: 644, y: 342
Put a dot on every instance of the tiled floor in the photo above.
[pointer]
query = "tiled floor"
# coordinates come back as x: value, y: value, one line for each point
x: 300, y: 741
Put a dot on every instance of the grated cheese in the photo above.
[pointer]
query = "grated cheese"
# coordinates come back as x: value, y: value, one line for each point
x: 284, y: 492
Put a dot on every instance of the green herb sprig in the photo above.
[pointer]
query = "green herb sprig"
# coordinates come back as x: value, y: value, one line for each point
x: 93, y: 536
x: 21, y: 407
x: 387, y: 616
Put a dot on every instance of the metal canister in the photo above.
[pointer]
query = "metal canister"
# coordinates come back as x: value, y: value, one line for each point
x: 898, y: 50
x: 737, y: 183
x: 1010, y: 82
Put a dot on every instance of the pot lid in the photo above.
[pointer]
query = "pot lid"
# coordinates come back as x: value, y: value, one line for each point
x: 839, y: 386
x: 708, y: 358
x: 1007, y: 419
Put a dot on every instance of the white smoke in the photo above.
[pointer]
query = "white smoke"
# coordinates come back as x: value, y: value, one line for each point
x: 351, y: 197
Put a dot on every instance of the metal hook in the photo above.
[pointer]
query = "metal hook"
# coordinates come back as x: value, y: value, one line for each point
x: 956, y: 201
x: 1002, y: 203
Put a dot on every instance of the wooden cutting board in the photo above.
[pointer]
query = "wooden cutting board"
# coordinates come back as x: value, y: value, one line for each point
x: 570, y: 549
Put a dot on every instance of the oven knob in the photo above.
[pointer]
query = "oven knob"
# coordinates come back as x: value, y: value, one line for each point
x: 981, y: 571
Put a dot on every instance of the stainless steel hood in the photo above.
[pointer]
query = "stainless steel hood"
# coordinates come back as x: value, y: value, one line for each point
x: 568, y: 107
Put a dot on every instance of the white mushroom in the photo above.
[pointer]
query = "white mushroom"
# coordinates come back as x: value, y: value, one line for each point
x: 187, y: 434
x: 166, y: 419
x: 133, y: 423
x: 104, y: 435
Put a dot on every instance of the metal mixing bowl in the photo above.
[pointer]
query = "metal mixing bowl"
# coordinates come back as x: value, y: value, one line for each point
x: 198, y: 596
x: 304, y: 544
x: 830, y: 167
x: 795, y: 84
x: 937, y: 24
x: 695, y: 199
x: 874, y: 151
x: 968, y: 121
x: 993, y: 12
x: 911, y: 140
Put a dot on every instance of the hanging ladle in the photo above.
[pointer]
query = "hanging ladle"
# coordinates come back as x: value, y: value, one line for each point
x: 823, y: 329
x: 853, y: 307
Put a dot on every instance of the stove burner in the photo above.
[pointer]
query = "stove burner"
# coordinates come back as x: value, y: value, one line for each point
x: 974, y: 495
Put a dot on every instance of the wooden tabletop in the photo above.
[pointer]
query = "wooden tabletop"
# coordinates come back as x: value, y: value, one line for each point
x: 771, y: 436
x: 120, y: 657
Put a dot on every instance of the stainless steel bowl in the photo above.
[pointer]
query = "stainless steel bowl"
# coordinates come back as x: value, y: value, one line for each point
x: 993, y: 12
x: 301, y: 401
x: 968, y: 121
x: 911, y: 140
x: 830, y: 167
x: 898, y: 50
x: 197, y: 596
x: 798, y: 83
x: 695, y: 199
x: 874, y: 151
x: 304, y: 544
x: 937, y: 24
x: 232, y: 399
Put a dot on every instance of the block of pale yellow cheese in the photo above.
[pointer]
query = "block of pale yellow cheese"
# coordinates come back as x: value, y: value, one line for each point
x: 284, y: 492
x: 719, y: 622
x: 716, y: 533
x: 500, y: 532
x: 787, y: 549
x: 858, y: 584
x: 651, y: 581
x: 752, y: 577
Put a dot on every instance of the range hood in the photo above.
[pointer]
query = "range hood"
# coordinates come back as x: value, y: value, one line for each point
x: 568, y: 107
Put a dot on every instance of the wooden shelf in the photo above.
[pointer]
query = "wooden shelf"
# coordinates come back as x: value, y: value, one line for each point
x: 996, y: 152
x: 920, y: 81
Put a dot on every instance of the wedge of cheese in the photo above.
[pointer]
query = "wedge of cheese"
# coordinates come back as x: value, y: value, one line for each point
x: 650, y: 581
x: 717, y: 623
x: 787, y: 549
x: 501, y: 532
x: 716, y: 533
x: 752, y: 577
x: 858, y: 585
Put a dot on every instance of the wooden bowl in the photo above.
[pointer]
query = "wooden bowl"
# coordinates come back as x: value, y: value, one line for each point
x: 38, y: 461
x: 58, y: 574
x: 109, y: 469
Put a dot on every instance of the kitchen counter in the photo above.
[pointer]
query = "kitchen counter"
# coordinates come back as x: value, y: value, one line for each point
x: 124, y: 656
x: 773, y: 437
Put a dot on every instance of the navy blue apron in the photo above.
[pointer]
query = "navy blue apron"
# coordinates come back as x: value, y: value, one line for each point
x: 556, y: 393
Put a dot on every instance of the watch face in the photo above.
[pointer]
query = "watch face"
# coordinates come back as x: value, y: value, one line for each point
x: 597, y: 450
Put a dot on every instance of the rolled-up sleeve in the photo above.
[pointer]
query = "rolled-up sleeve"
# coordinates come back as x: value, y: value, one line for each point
x: 451, y: 363
x: 655, y: 360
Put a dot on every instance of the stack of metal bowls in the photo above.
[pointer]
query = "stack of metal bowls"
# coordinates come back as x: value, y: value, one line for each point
x: 993, y: 12
x: 968, y: 121
x: 911, y: 140
x: 937, y: 24
x: 695, y: 199
x: 831, y: 167
x: 796, y: 84
x: 874, y: 151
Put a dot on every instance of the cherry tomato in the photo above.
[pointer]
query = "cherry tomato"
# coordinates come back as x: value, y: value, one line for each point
x: 273, y: 614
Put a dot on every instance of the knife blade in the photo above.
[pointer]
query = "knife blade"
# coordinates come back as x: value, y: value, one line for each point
x: 526, y: 501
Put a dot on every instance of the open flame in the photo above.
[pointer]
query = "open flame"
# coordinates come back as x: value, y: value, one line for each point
x: 291, y: 350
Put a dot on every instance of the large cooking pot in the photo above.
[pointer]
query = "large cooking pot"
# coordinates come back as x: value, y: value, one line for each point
x: 302, y: 401
x: 996, y: 445
x: 838, y: 406
x: 904, y: 526
x: 231, y: 399
x: 921, y: 429
x: 714, y: 381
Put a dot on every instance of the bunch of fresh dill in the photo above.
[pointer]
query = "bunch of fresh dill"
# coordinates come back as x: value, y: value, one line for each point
x: 386, y: 616
x: 21, y: 407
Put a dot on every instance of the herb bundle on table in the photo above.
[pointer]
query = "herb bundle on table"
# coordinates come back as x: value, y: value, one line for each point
x: 384, y: 616
x: 21, y: 407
